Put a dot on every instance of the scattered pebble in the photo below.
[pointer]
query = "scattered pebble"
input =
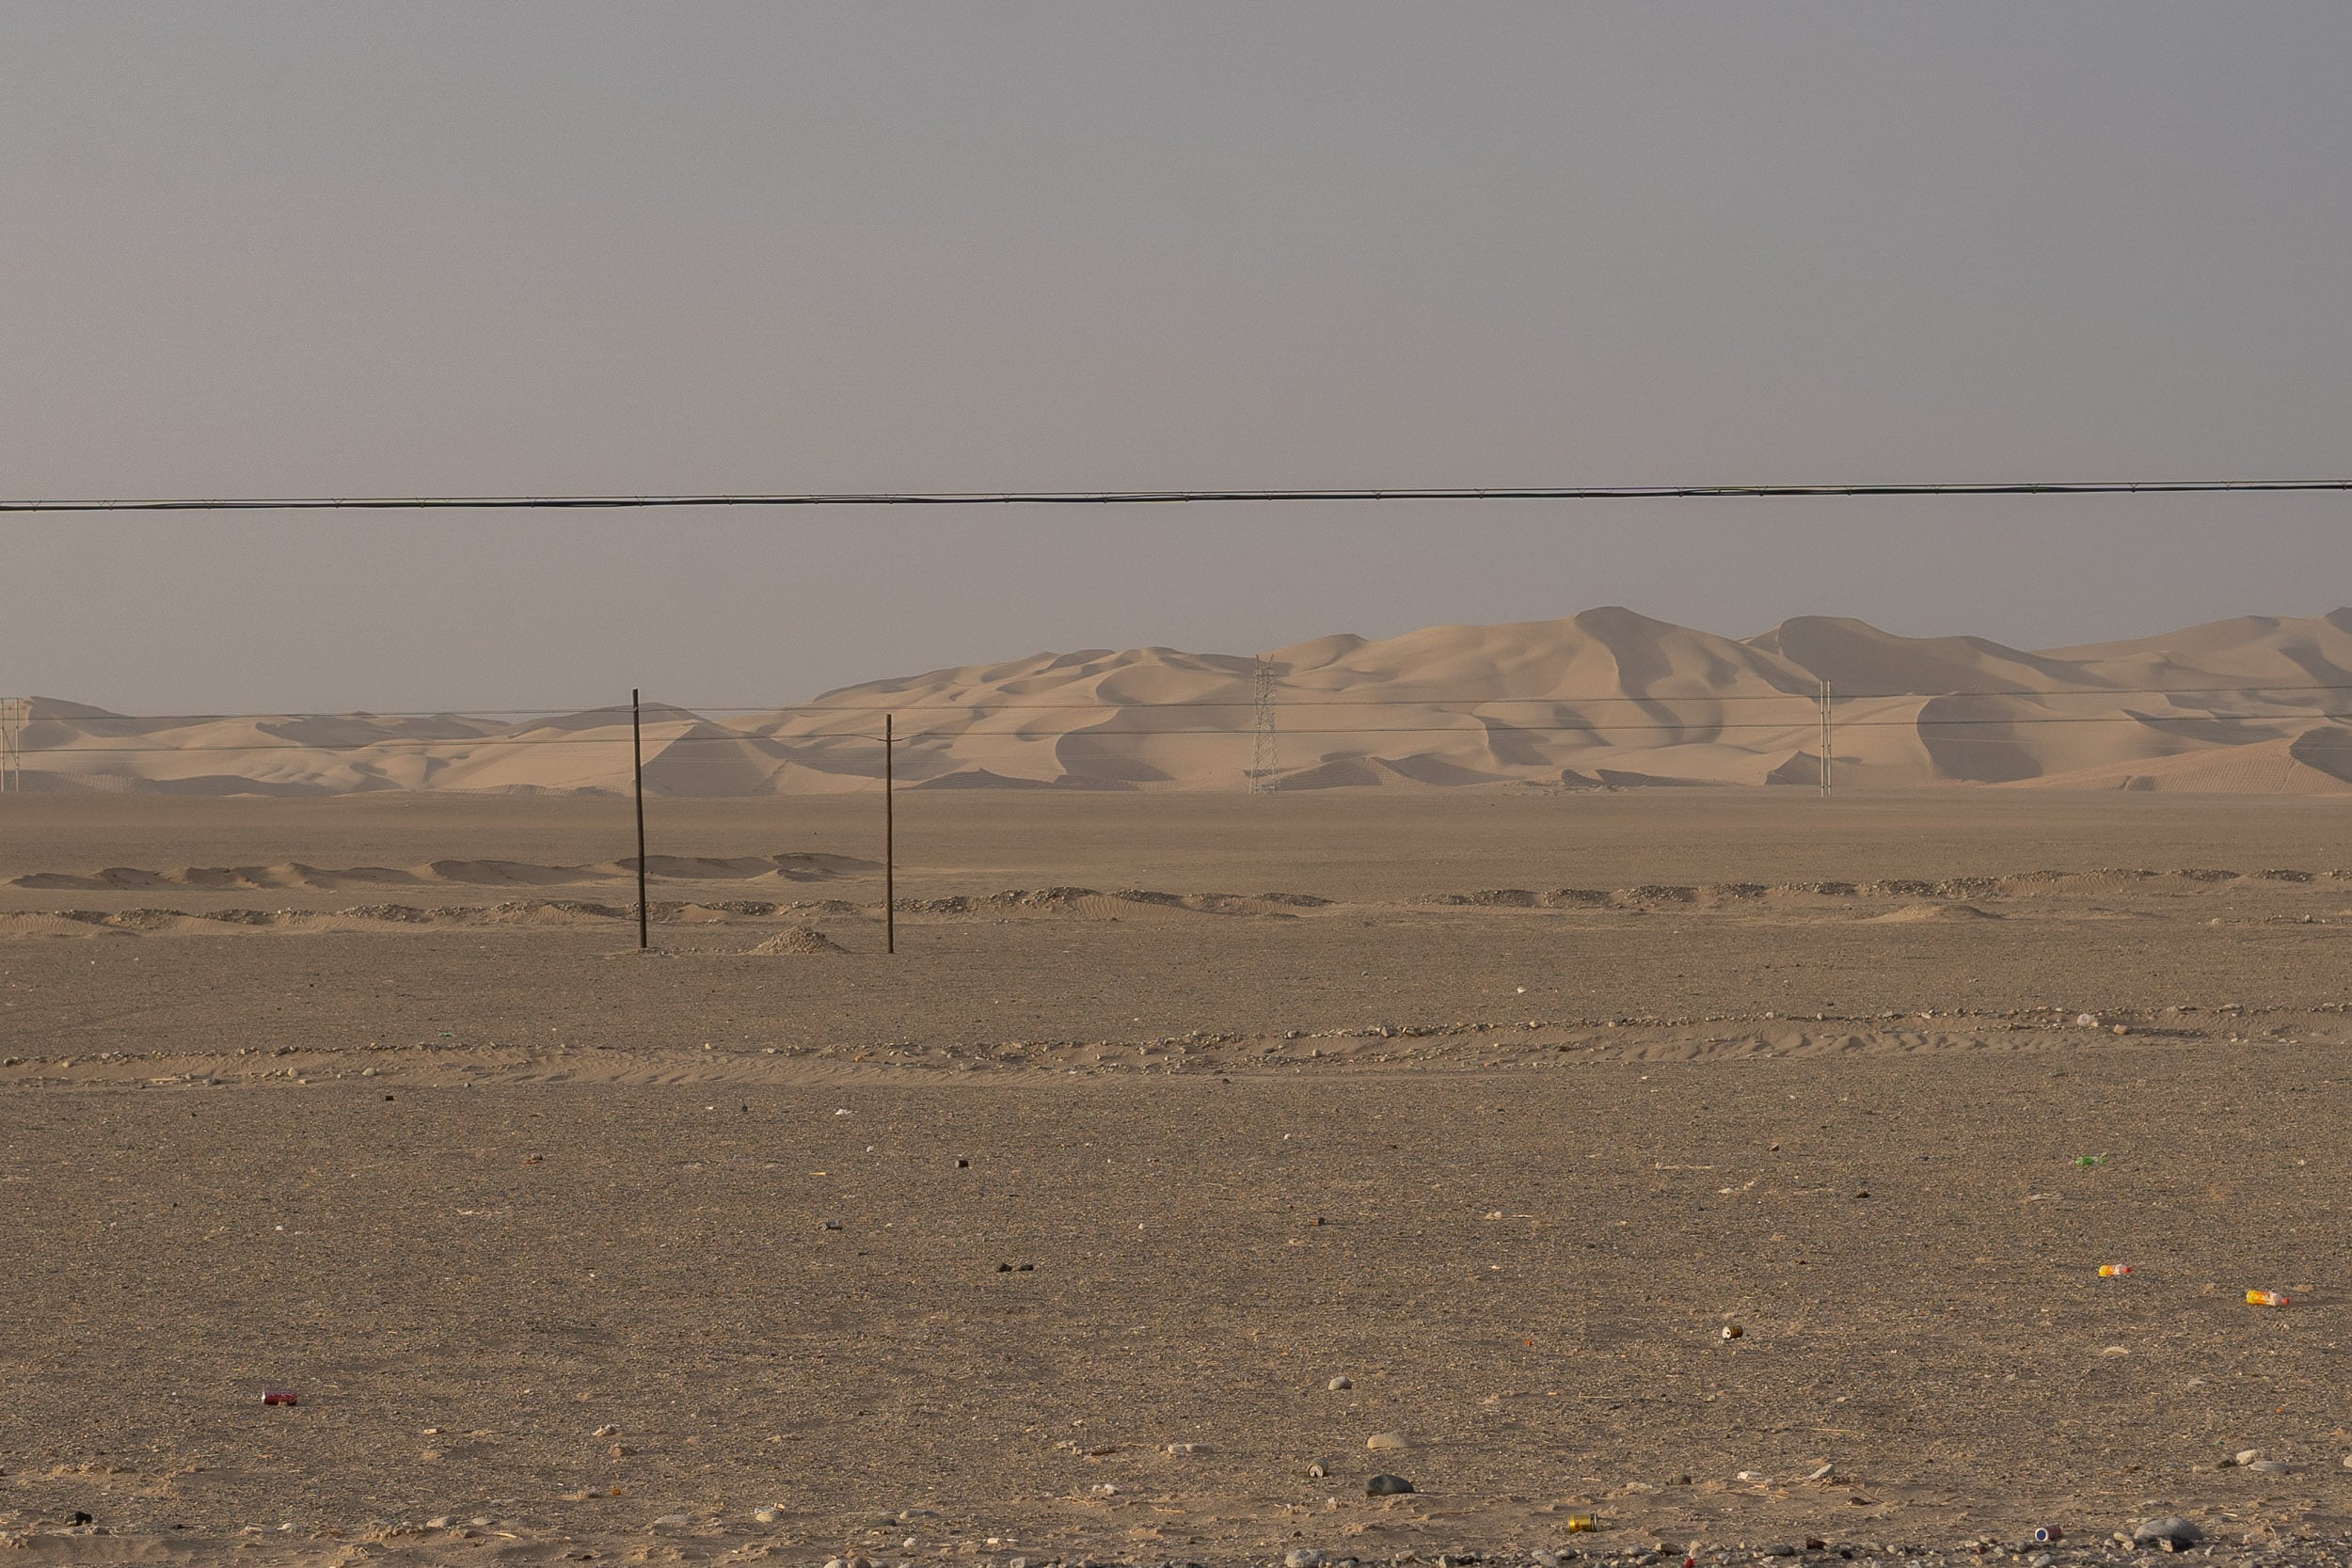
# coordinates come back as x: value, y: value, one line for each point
x: 1388, y: 1441
x: 1386, y: 1486
x: 1339, y: 1382
x: 1305, y: 1557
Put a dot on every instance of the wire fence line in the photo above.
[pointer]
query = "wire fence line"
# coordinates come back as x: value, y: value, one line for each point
x: 1439, y: 700
x: 16, y: 717
x: 1808, y: 694
x: 618, y: 726
x: 102, y: 748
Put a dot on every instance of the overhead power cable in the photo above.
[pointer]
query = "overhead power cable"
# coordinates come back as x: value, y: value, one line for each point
x: 1167, y: 498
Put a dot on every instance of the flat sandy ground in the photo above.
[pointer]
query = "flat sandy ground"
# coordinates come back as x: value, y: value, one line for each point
x: 1500, y: 1106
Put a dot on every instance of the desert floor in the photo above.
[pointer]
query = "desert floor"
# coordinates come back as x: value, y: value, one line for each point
x: 1168, y: 1112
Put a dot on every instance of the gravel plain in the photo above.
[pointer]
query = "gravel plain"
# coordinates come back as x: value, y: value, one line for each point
x: 1046, y: 1239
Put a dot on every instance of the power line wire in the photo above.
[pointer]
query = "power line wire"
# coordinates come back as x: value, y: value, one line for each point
x: 1165, y: 497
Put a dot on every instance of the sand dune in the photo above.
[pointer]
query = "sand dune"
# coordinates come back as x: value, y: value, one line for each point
x: 2274, y: 895
x: 1606, y: 699
x: 479, y: 873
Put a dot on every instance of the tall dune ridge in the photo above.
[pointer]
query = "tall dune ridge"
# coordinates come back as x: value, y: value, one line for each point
x: 1605, y: 699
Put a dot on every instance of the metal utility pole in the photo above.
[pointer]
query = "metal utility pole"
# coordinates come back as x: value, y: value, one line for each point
x: 13, y: 712
x: 637, y: 754
x: 890, y: 835
x: 1261, y: 744
x: 1825, y: 741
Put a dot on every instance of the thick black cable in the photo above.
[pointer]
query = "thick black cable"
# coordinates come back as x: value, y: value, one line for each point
x: 1166, y: 498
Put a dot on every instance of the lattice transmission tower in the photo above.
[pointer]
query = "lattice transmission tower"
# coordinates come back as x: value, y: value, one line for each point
x: 1828, y: 740
x: 1261, y: 763
x: 14, y: 712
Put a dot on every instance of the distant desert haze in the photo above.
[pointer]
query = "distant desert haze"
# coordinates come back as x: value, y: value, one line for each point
x: 1605, y: 699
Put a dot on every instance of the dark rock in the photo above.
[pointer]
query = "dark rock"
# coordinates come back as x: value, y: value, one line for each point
x: 2170, y: 1530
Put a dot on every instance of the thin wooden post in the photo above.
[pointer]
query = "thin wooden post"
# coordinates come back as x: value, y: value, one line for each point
x: 637, y: 754
x: 890, y: 835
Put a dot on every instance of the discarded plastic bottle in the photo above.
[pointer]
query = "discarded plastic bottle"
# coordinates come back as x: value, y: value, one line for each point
x: 2114, y: 1271
x: 2265, y: 1298
x: 2044, y: 1534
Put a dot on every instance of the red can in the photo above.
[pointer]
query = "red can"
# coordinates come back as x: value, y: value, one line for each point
x: 280, y: 1396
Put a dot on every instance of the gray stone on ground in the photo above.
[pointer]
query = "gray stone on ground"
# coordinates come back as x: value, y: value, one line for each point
x: 2171, y: 1528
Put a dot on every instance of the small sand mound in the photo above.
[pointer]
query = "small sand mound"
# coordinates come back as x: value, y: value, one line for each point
x: 1913, y: 915
x: 800, y: 939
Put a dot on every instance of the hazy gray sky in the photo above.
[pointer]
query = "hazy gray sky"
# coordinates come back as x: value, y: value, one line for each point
x: 563, y: 246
